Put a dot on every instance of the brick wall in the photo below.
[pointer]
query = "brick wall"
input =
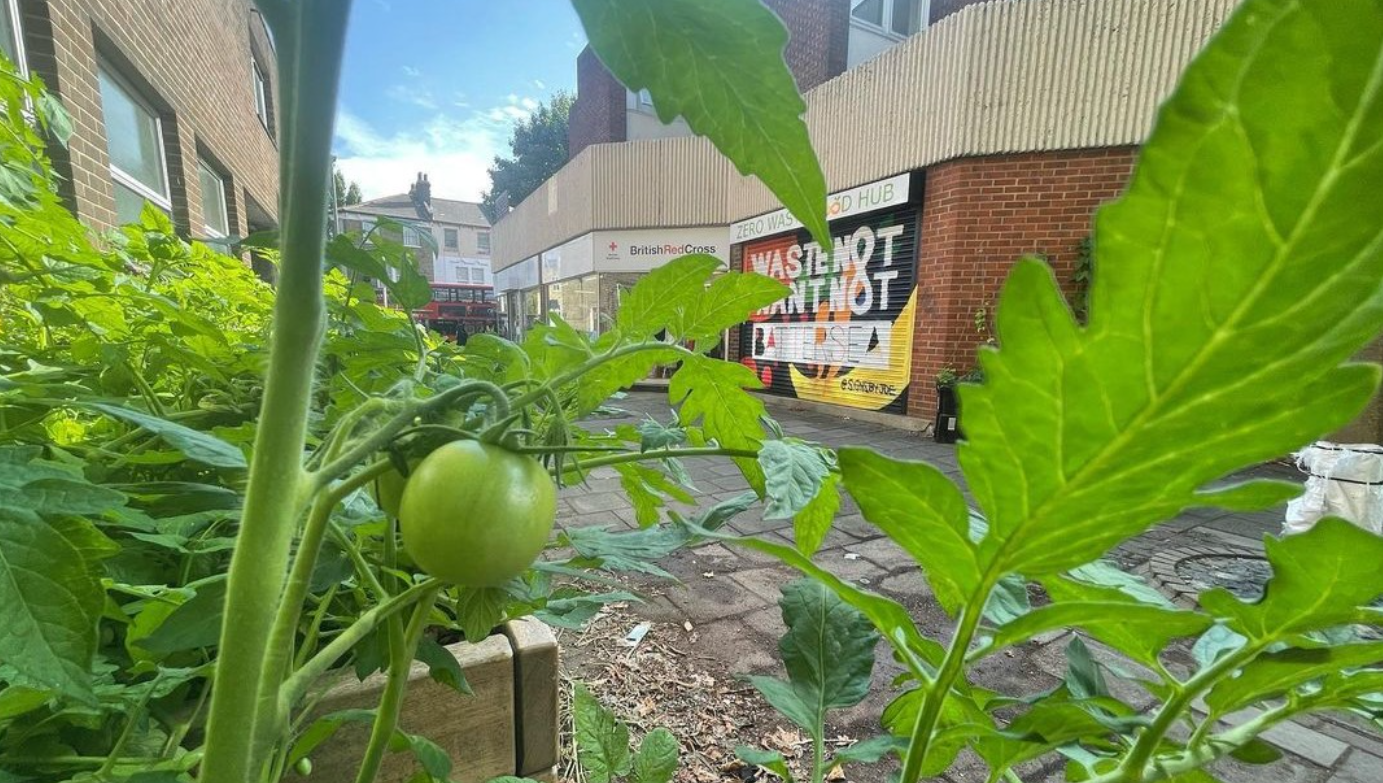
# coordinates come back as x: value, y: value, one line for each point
x: 978, y: 216
x: 597, y: 114
x: 816, y: 51
x: 190, y: 59
x: 820, y: 38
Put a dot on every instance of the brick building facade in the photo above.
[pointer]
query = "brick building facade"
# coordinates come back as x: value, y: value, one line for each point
x: 188, y: 126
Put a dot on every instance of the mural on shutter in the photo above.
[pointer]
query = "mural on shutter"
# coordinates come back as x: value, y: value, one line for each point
x: 844, y: 334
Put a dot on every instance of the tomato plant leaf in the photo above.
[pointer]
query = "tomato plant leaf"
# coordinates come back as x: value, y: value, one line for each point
x: 725, y: 303
x: 922, y: 511
x: 810, y: 525
x: 1320, y: 579
x: 713, y: 393
x: 602, y: 742
x: 50, y: 602
x: 196, y: 623
x: 1275, y: 673
x: 480, y: 610
x: 656, y: 435
x: 653, y: 302
x: 793, y: 474
x: 867, y: 751
x: 634, y: 551
x: 656, y: 761
x: 199, y: 446
x: 828, y: 652
x: 719, y: 65
x: 442, y: 666
x: 1250, y: 207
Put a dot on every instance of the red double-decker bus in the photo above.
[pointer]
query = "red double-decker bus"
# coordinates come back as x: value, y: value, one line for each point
x: 459, y: 310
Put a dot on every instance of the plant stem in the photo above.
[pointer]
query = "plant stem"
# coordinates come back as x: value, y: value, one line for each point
x: 401, y: 649
x: 940, y: 687
x: 311, y: 38
x: 298, y: 683
x: 1135, y: 763
x: 640, y: 456
x: 1216, y: 747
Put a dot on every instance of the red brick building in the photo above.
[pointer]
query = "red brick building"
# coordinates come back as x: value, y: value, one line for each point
x: 172, y: 103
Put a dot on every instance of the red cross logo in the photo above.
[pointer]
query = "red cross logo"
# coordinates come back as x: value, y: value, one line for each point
x: 613, y: 247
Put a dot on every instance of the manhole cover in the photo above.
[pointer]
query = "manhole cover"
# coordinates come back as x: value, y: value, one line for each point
x: 1243, y: 575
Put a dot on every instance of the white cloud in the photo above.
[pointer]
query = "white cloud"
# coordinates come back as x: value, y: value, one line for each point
x: 577, y: 42
x: 538, y: 84
x: 455, y: 152
x: 415, y: 96
x: 411, y: 72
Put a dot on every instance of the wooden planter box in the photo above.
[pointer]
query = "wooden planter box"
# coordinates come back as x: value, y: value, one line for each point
x: 509, y: 727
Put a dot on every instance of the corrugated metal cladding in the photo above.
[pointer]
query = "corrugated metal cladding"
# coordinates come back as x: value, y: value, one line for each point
x: 844, y: 333
x: 659, y: 183
x: 999, y: 77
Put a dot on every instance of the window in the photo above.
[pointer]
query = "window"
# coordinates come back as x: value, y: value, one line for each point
x: 482, y: 241
x: 217, y: 219
x: 11, y: 36
x: 261, y: 88
x: 900, y: 17
x: 411, y: 238
x: 449, y: 238
x: 645, y: 98
x: 134, y: 138
x: 871, y: 11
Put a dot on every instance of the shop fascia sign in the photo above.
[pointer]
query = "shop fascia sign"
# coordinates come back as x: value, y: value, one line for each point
x: 859, y: 200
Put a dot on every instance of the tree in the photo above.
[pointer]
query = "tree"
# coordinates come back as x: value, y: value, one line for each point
x: 345, y: 194
x: 539, y: 149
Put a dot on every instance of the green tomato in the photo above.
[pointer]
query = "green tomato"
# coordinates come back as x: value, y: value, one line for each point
x: 476, y: 514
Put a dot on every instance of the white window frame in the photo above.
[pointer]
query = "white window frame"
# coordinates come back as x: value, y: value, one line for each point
x: 482, y: 242
x: 163, y: 201
x: 261, y: 90
x: 21, y: 63
x: 203, y: 166
x: 454, y: 235
x: 409, y: 231
x: 923, y: 12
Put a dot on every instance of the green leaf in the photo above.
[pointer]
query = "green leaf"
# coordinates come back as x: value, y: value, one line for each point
x: 719, y: 65
x: 726, y: 303
x: 828, y: 651
x: 480, y: 610
x: 713, y: 392
x: 793, y: 475
x: 1008, y: 600
x: 194, y: 624
x: 50, y: 602
x: 1136, y: 630
x: 916, y: 506
x: 770, y: 760
x: 1209, y: 346
x: 1320, y: 579
x: 433, y: 759
x: 198, y: 446
x: 1276, y: 673
x: 656, y: 761
x: 322, y: 729
x: 652, y: 304
x: 635, y: 551
x: 1256, y: 751
x: 867, y: 751
x: 811, y: 524
x: 656, y: 435
x: 602, y: 742
x: 1084, y: 679
x: 442, y: 666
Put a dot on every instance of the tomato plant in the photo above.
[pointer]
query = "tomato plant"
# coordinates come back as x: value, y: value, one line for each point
x: 177, y: 502
x: 476, y: 514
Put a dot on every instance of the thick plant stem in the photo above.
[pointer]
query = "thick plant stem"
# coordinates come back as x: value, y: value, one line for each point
x: 311, y: 37
x: 401, y: 650
x: 940, y: 688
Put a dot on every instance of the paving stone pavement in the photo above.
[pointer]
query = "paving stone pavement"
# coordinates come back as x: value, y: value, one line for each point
x: 730, y: 593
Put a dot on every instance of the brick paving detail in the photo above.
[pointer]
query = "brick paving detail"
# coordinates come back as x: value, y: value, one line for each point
x: 730, y: 594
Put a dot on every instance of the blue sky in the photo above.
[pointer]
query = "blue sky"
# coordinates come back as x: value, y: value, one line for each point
x: 436, y: 85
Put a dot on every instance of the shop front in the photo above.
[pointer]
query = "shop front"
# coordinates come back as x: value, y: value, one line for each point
x: 583, y: 281
x: 843, y: 335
